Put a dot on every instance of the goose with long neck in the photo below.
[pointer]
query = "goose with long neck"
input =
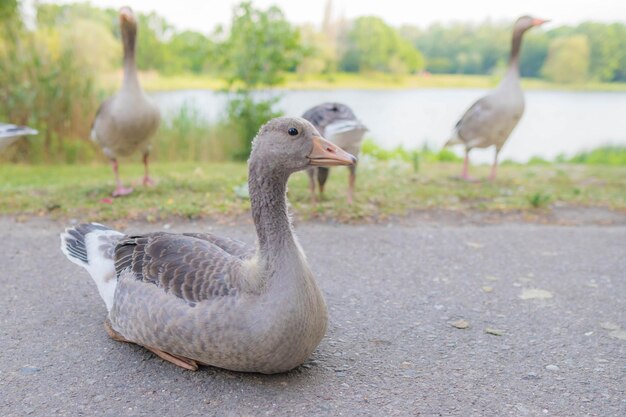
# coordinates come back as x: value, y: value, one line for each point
x: 202, y: 299
x: 127, y: 121
x: 490, y: 120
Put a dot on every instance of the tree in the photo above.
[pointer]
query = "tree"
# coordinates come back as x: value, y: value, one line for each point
x: 261, y: 46
x: 568, y: 60
x: 194, y: 52
x: 375, y: 46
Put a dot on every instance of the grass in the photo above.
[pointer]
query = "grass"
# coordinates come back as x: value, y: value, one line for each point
x: 384, y: 189
x: 157, y: 82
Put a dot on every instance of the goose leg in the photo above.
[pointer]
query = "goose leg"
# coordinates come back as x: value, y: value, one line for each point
x: 120, y: 190
x: 464, y: 173
x: 183, y: 362
x: 147, y: 181
x: 494, y: 167
x: 312, y: 172
x: 322, y: 176
x: 351, y: 181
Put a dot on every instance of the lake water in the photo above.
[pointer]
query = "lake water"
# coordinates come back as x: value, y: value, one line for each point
x: 554, y: 121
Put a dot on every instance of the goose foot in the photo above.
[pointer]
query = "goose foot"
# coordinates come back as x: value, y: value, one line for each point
x: 148, y: 182
x: 113, y: 334
x: 465, y: 178
x: 181, y: 361
x: 121, y: 191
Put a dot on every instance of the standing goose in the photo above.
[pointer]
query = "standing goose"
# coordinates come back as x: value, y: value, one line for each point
x: 338, y: 123
x: 201, y: 299
x: 492, y: 118
x: 11, y: 133
x: 127, y: 121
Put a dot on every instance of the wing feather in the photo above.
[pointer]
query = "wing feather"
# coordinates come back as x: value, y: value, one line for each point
x: 191, y: 268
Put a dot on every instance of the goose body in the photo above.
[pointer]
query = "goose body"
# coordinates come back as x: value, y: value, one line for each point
x: 491, y: 120
x: 126, y: 122
x: 338, y: 123
x: 203, y: 299
x: 10, y: 133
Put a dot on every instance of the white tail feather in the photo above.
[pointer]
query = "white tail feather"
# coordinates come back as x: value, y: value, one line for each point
x: 91, y: 246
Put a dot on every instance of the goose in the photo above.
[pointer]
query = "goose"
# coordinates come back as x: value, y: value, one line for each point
x: 491, y: 119
x: 127, y: 121
x: 197, y: 298
x: 10, y: 133
x: 338, y: 123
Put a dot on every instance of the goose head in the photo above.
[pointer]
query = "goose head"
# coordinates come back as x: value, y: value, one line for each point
x: 128, y: 23
x: 526, y: 22
x: 290, y: 144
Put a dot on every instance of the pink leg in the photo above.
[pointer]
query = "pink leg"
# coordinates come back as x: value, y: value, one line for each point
x: 464, y: 174
x: 494, y: 167
x: 147, y: 181
x: 120, y: 190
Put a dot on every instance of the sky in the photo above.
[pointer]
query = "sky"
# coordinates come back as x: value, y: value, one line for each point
x: 204, y: 15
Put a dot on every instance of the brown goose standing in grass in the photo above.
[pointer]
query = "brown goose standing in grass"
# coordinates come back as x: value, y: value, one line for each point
x: 202, y: 299
x: 490, y: 120
x: 338, y: 123
x: 11, y: 133
x: 127, y: 121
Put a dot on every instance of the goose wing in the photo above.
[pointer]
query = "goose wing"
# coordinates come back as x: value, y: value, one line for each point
x: 474, y: 124
x: 231, y: 246
x: 183, y: 266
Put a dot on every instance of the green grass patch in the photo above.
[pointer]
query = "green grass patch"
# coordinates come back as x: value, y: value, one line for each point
x: 384, y: 188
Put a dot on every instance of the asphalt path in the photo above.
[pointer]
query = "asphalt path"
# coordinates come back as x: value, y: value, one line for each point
x: 426, y: 319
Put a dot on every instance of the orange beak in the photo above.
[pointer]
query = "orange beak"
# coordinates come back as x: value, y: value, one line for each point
x: 326, y: 154
x: 538, y: 22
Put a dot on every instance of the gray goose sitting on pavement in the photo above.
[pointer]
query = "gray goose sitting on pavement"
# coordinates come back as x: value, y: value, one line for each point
x: 490, y: 120
x: 127, y: 121
x: 10, y: 133
x: 339, y: 125
x: 202, y: 299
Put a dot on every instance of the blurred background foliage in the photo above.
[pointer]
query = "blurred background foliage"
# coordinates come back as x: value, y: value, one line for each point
x: 57, y: 69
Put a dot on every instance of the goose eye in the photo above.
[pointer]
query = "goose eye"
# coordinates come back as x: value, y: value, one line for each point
x: 292, y: 131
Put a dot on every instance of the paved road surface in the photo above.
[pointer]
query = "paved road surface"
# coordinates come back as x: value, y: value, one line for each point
x: 390, y: 349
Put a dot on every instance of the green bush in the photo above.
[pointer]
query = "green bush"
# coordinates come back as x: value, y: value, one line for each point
x: 613, y: 155
x: 245, y: 116
x: 189, y: 137
x: 46, y: 87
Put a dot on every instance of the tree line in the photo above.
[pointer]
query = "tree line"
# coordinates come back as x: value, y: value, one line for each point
x: 588, y: 51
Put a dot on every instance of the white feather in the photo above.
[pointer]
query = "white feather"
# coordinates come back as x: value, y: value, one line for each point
x: 100, y: 266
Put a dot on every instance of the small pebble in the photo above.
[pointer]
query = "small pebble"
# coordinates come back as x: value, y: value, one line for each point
x: 460, y: 324
x: 495, y: 332
x: 29, y: 370
x: 531, y: 376
x: 552, y: 368
x: 99, y: 398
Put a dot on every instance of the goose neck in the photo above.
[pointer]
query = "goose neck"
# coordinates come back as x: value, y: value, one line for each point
x: 269, y: 211
x: 130, y: 66
x: 516, y: 46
